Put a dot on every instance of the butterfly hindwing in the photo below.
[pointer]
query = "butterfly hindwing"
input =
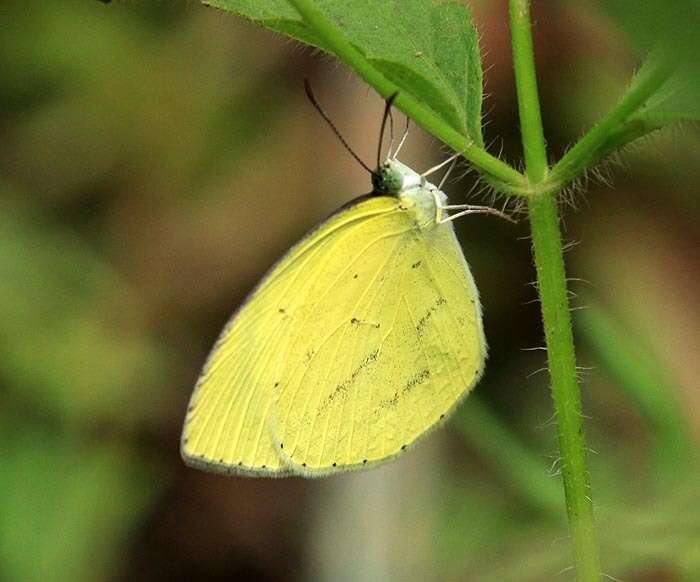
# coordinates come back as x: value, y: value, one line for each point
x: 392, y: 354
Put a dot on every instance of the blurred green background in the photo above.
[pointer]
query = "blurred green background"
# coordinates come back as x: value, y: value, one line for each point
x: 157, y: 157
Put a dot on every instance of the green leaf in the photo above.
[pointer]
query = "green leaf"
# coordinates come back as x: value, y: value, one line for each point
x: 428, y: 49
x: 673, y: 24
x: 671, y: 28
x: 678, y: 100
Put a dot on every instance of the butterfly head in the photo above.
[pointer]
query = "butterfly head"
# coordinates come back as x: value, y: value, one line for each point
x: 388, y: 179
x: 393, y: 178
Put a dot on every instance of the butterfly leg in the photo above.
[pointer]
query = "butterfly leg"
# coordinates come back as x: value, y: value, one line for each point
x: 447, y: 174
x: 472, y: 209
x: 439, y: 166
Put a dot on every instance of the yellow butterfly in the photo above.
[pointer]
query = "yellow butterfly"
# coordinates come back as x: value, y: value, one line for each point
x: 361, y: 339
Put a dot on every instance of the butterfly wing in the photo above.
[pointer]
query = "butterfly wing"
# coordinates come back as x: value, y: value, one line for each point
x: 228, y: 423
x: 393, y: 342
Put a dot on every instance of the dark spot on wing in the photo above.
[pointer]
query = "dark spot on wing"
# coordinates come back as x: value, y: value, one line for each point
x: 416, y: 379
x: 341, y: 389
x: 423, y: 321
x: 309, y: 356
x: 355, y: 321
x: 403, y: 447
x: 354, y: 276
x: 334, y: 464
x: 416, y: 264
x: 281, y: 310
x: 364, y: 462
x: 411, y: 383
x: 393, y: 401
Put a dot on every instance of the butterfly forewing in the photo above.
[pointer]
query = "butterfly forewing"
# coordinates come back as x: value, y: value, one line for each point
x: 228, y: 427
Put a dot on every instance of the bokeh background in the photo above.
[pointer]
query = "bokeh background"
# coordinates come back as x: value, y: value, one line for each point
x: 157, y: 157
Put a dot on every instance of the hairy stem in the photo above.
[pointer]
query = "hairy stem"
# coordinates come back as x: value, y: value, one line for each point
x: 551, y: 279
x: 526, y: 85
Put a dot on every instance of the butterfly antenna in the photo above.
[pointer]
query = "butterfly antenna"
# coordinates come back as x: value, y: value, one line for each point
x: 387, y: 112
x: 312, y: 98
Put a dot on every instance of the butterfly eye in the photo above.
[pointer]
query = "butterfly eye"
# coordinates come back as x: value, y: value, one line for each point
x: 378, y: 182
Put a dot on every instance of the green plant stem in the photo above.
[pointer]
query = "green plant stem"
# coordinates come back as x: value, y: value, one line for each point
x: 510, y: 179
x: 587, y: 151
x: 526, y: 85
x: 551, y: 278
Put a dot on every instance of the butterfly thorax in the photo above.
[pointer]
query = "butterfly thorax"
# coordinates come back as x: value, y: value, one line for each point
x: 416, y: 194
